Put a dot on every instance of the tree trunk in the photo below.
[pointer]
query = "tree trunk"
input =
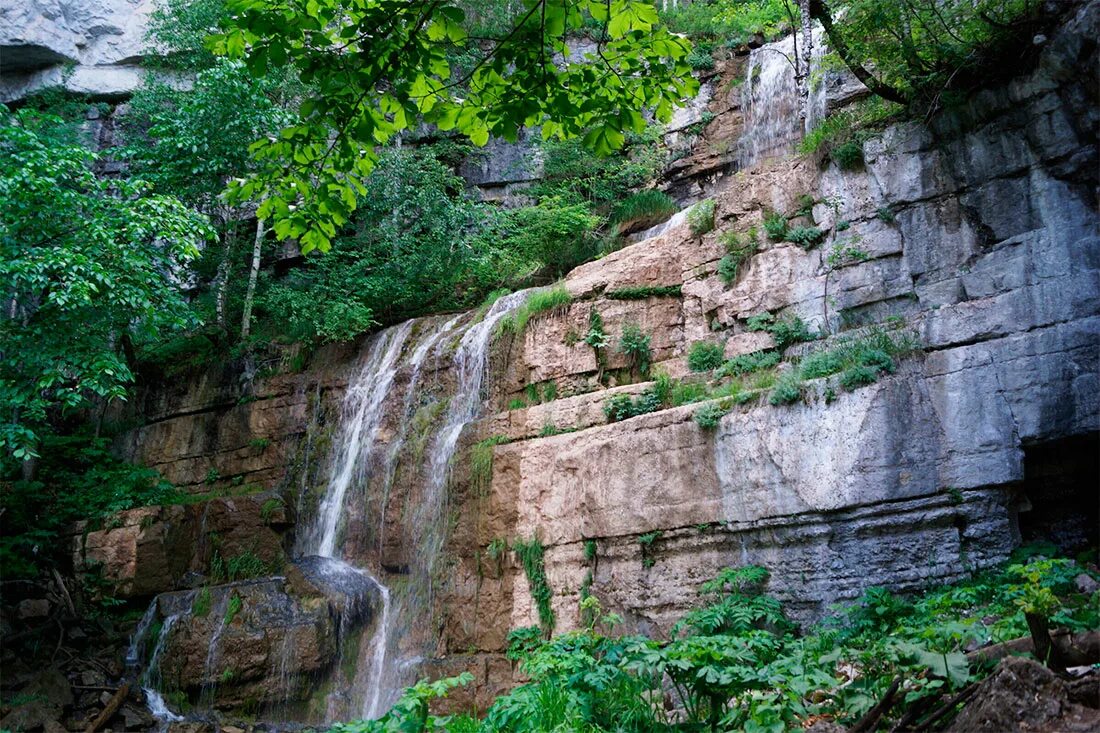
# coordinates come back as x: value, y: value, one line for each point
x: 221, y: 281
x: 820, y: 11
x: 253, y: 273
x: 802, y: 67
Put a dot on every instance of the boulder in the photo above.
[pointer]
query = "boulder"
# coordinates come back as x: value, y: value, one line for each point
x: 1023, y: 695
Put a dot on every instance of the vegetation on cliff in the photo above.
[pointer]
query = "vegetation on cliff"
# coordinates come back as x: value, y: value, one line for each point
x: 738, y: 663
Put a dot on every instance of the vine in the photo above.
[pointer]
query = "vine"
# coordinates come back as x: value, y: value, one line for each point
x: 530, y: 553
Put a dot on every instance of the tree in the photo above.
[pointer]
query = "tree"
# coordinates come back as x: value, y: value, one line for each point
x: 87, y: 270
x: 190, y: 143
x: 373, y: 69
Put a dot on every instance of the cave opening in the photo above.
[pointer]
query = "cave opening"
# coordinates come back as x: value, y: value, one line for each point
x: 1062, y: 490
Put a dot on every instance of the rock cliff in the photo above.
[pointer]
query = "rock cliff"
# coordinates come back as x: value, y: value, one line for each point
x: 974, y: 236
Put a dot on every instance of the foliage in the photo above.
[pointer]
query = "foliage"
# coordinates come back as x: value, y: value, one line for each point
x: 709, y: 415
x: 80, y: 480
x: 530, y: 553
x: 860, y: 360
x: 576, y: 174
x: 241, y: 566
x: 735, y: 21
x: 785, y: 331
x: 410, y: 713
x: 418, y: 244
x: 644, y: 208
x: 739, y: 248
x: 924, y: 48
x: 233, y: 608
x: 624, y: 406
x: 700, y: 217
x: 805, y: 237
x: 747, y: 363
x: 787, y: 390
x: 553, y: 236
x: 736, y: 662
x: 83, y: 265
x: 635, y: 344
x: 704, y: 356
x: 373, y: 70
x: 540, y: 303
x: 775, y: 225
x: 643, y: 292
x: 481, y: 463
x: 842, y: 134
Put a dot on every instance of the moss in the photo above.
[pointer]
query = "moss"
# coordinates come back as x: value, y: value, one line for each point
x: 481, y: 463
x: 644, y: 292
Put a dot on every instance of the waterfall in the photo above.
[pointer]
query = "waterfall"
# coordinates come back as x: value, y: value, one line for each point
x: 150, y: 680
x: 362, y: 416
x: 769, y: 100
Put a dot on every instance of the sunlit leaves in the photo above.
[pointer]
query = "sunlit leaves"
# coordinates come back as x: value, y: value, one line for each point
x: 378, y: 67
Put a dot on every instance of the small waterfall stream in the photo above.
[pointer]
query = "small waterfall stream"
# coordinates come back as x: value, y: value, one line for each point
x: 770, y: 103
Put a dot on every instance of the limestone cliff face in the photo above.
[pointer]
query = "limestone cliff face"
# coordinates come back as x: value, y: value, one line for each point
x: 980, y: 237
x: 86, y: 46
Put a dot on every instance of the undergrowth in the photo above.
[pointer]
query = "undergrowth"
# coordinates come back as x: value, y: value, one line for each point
x: 540, y: 303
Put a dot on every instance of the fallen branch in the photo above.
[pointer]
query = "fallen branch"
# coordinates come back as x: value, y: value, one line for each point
x: 869, y: 722
x: 948, y: 707
x: 112, y: 707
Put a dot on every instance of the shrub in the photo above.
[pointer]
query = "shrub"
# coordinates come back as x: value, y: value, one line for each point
x: 541, y: 302
x: 646, y: 207
x: 728, y: 267
x: 805, y: 237
x: 775, y: 224
x: 886, y: 214
x: 517, y: 403
x: 700, y: 217
x: 787, y: 390
x: 748, y: 363
x: 687, y: 392
x: 708, y: 416
x: 704, y: 356
x: 623, y: 406
x: 635, y: 345
x: 787, y: 331
x: 848, y: 156
x: 858, y: 376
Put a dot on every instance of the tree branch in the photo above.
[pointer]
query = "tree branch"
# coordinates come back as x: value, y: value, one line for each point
x: 820, y: 11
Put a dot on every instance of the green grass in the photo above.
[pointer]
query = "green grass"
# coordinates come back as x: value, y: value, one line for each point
x: 531, y: 555
x: 481, y: 463
x: 649, y: 206
x: 644, y: 292
x: 541, y: 303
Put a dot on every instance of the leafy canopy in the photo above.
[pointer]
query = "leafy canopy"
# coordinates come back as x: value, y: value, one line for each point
x: 373, y: 69
x: 87, y: 269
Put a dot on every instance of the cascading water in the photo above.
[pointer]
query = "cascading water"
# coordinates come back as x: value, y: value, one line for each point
x: 362, y: 416
x: 770, y: 102
x: 150, y: 680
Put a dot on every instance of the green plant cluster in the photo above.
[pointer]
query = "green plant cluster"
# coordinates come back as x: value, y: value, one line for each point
x: 737, y: 663
x: 481, y: 463
x: 735, y: 22
x: 623, y: 406
x: 530, y: 553
x: 80, y: 479
x: 644, y: 209
x: 739, y: 248
x: 843, y: 133
x: 700, y: 217
x: 704, y: 356
x: 541, y: 303
x: 635, y: 344
x: 644, y: 292
x: 785, y: 331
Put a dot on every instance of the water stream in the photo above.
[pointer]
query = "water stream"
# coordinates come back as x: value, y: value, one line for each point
x: 770, y: 103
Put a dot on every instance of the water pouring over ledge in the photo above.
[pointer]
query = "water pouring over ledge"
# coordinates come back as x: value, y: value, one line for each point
x: 358, y: 454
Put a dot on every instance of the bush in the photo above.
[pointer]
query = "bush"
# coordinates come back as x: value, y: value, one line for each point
x: 805, y: 237
x: 787, y: 390
x: 748, y: 363
x: 704, y: 356
x: 775, y: 224
x: 700, y: 217
x: 787, y: 331
x: 709, y: 416
x: 848, y: 156
x: 644, y: 292
x: 635, y: 345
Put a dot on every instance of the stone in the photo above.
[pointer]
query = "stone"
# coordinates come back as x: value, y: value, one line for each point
x: 32, y: 608
x: 1023, y: 695
x: 1086, y: 584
